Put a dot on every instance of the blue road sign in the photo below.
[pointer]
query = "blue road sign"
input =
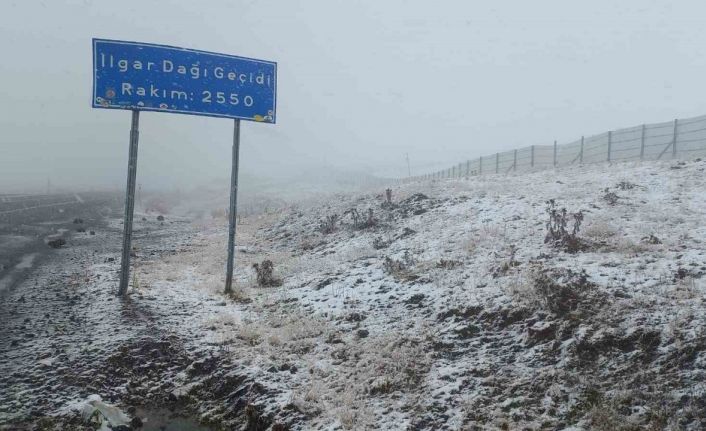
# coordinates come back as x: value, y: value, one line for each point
x: 149, y: 77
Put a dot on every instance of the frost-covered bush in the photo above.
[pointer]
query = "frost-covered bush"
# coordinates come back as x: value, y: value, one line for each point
x: 380, y: 243
x: 557, y: 290
x: 265, y: 274
x: 360, y: 221
x: 558, y: 234
x: 610, y: 197
x: 328, y: 225
x: 504, y: 267
x: 400, y: 268
x: 560, y: 291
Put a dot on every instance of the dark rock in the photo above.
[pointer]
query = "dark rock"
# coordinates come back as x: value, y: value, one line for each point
x: 363, y: 333
x: 136, y: 422
x: 355, y: 317
x: 681, y: 274
x: 160, y: 218
x: 540, y: 333
x: 417, y: 298
x: 56, y: 243
x: 417, y: 197
x: 334, y: 339
x: 323, y: 283
x: 407, y: 232
x: 289, y: 367
x: 458, y: 314
x: 651, y: 240
x: 467, y: 331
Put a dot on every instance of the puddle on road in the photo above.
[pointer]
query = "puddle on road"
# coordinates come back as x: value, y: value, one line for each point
x: 156, y: 419
x: 27, y: 261
x: 5, y: 282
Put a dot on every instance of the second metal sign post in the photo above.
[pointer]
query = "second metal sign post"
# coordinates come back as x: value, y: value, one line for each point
x: 233, y: 209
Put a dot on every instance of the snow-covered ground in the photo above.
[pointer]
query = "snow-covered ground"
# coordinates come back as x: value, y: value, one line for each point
x: 445, y: 310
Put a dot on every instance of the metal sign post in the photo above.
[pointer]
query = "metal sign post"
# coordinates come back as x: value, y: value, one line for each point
x: 148, y: 77
x: 129, y: 203
x: 232, y: 213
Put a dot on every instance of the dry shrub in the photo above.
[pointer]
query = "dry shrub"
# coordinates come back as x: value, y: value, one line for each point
x: 400, y: 269
x: 558, y: 290
x: 448, y: 264
x: 610, y: 197
x: 359, y: 221
x: 651, y: 239
x: 600, y: 230
x: 399, y: 364
x: 265, y: 274
x: 329, y: 224
x: 508, y: 264
x: 379, y: 243
x: 627, y: 185
x: 558, y: 234
x: 561, y: 291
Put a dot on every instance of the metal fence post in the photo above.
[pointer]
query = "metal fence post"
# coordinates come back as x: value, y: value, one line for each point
x: 555, y: 153
x: 581, y: 153
x: 497, y: 162
x: 642, y: 143
x: 514, y: 162
x: 453, y: 171
x: 532, y: 156
x: 610, y: 143
x: 674, y: 140
x: 468, y: 168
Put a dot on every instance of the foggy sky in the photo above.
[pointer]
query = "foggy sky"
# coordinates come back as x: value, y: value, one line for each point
x: 360, y: 83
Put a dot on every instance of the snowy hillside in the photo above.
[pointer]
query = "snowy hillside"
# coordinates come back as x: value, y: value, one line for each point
x: 444, y: 309
x: 451, y: 311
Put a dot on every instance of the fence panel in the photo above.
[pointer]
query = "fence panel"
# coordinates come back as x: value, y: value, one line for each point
x: 568, y: 154
x: 683, y: 138
x: 691, y: 137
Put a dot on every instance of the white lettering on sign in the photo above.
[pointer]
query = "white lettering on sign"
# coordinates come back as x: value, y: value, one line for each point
x: 127, y: 89
x: 194, y: 71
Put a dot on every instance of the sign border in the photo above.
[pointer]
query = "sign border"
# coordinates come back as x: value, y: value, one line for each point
x: 180, y: 111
